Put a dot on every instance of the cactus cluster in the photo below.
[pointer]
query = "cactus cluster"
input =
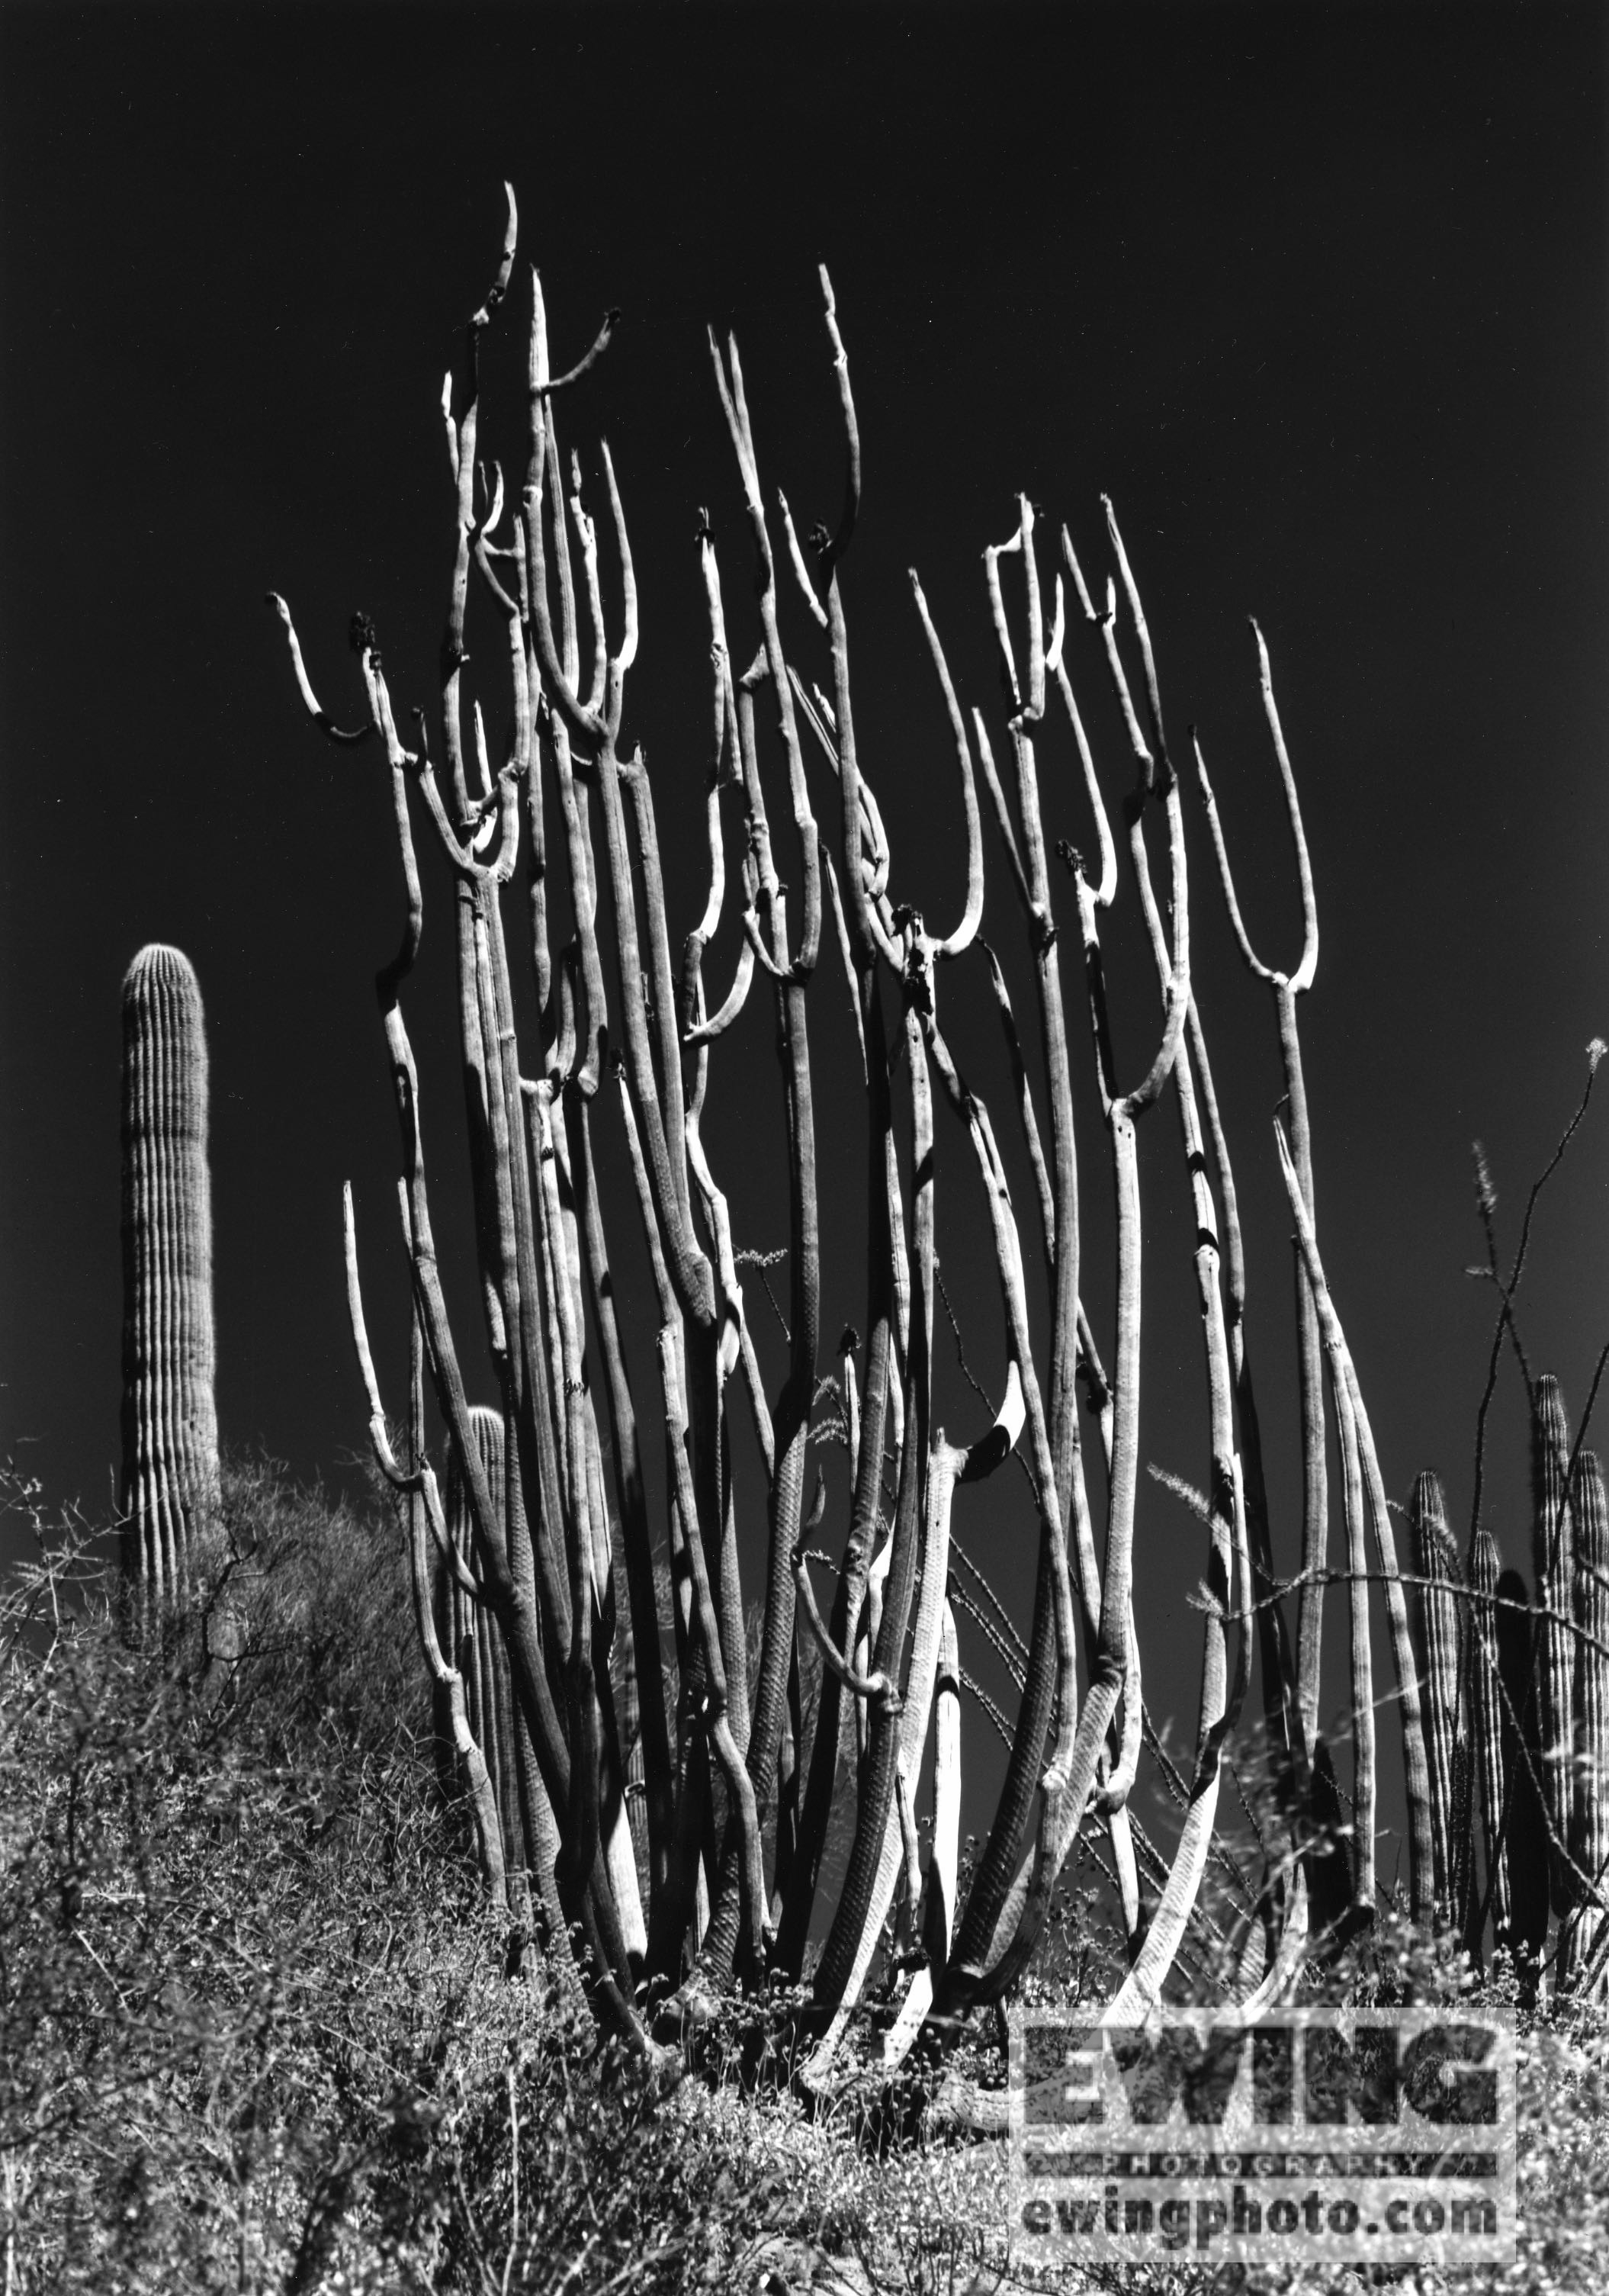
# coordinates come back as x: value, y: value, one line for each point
x: 655, y: 1778
x: 170, y: 1438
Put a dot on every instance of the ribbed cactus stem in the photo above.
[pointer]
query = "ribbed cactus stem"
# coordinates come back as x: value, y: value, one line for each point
x: 1552, y: 1554
x: 492, y: 1702
x: 1589, y: 1813
x: 170, y: 1436
x: 1486, y: 1706
x: 1435, y: 1565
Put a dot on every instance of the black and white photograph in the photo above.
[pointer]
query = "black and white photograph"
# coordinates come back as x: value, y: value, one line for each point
x: 804, y: 1192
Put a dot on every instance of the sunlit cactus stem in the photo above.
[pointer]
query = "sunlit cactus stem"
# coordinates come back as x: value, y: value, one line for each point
x: 170, y: 1437
x: 1555, y: 1658
x: 1435, y: 1565
x: 1589, y: 1812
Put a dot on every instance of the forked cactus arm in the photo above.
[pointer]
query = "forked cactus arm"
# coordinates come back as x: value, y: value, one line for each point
x: 690, y: 1268
x: 1069, y: 1781
x: 1278, y: 1673
x: 735, y: 407
x: 1024, y: 1100
x: 1225, y: 1510
x: 713, y: 1719
x: 310, y: 701
x: 1052, y: 1661
x: 587, y: 534
x: 1105, y: 892
x: 870, y: 1686
x: 725, y: 766
x: 910, y: 1727
x: 1142, y: 1989
x: 626, y: 654
x: 419, y: 1484
x: 533, y: 1387
x: 640, y: 790
x: 851, y: 511
x: 1253, y: 963
x: 1421, y: 1859
x: 641, y: 1579
x: 847, y: 1936
x: 966, y: 933
x: 1314, y: 1506
x: 1302, y: 977
x: 1002, y: 813
x: 559, y: 677
x: 866, y: 1500
x: 801, y: 573
x: 1142, y: 632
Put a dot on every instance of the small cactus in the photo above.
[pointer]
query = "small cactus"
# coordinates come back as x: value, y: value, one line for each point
x: 1554, y: 1570
x: 170, y: 1436
x: 1589, y: 1813
x: 1435, y: 1565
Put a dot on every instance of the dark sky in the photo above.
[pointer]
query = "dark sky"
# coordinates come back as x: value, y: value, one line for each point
x: 1316, y: 294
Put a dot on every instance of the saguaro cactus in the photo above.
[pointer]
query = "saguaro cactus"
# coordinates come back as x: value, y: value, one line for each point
x: 170, y: 1437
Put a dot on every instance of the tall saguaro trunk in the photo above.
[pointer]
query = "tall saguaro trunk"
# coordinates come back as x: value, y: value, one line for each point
x: 170, y: 1436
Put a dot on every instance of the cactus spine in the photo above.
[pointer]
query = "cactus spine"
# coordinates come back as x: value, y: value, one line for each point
x: 1436, y: 1567
x: 1553, y: 1568
x: 170, y: 1438
x: 1589, y: 1813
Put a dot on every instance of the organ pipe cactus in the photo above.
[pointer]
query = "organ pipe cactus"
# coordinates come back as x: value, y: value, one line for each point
x: 560, y: 1665
x: 170, y: 1439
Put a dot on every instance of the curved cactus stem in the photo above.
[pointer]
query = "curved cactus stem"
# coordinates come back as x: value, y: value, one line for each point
x: 1416, y: 1770
x: 944, y: 1467
x: 1285, y: 988
x: 417, y: 1482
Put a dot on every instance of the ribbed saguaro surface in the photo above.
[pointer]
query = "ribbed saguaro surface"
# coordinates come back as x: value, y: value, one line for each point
x: 1590, y: 1824
x: 170, y: 1437
x: 1436, y: 1564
